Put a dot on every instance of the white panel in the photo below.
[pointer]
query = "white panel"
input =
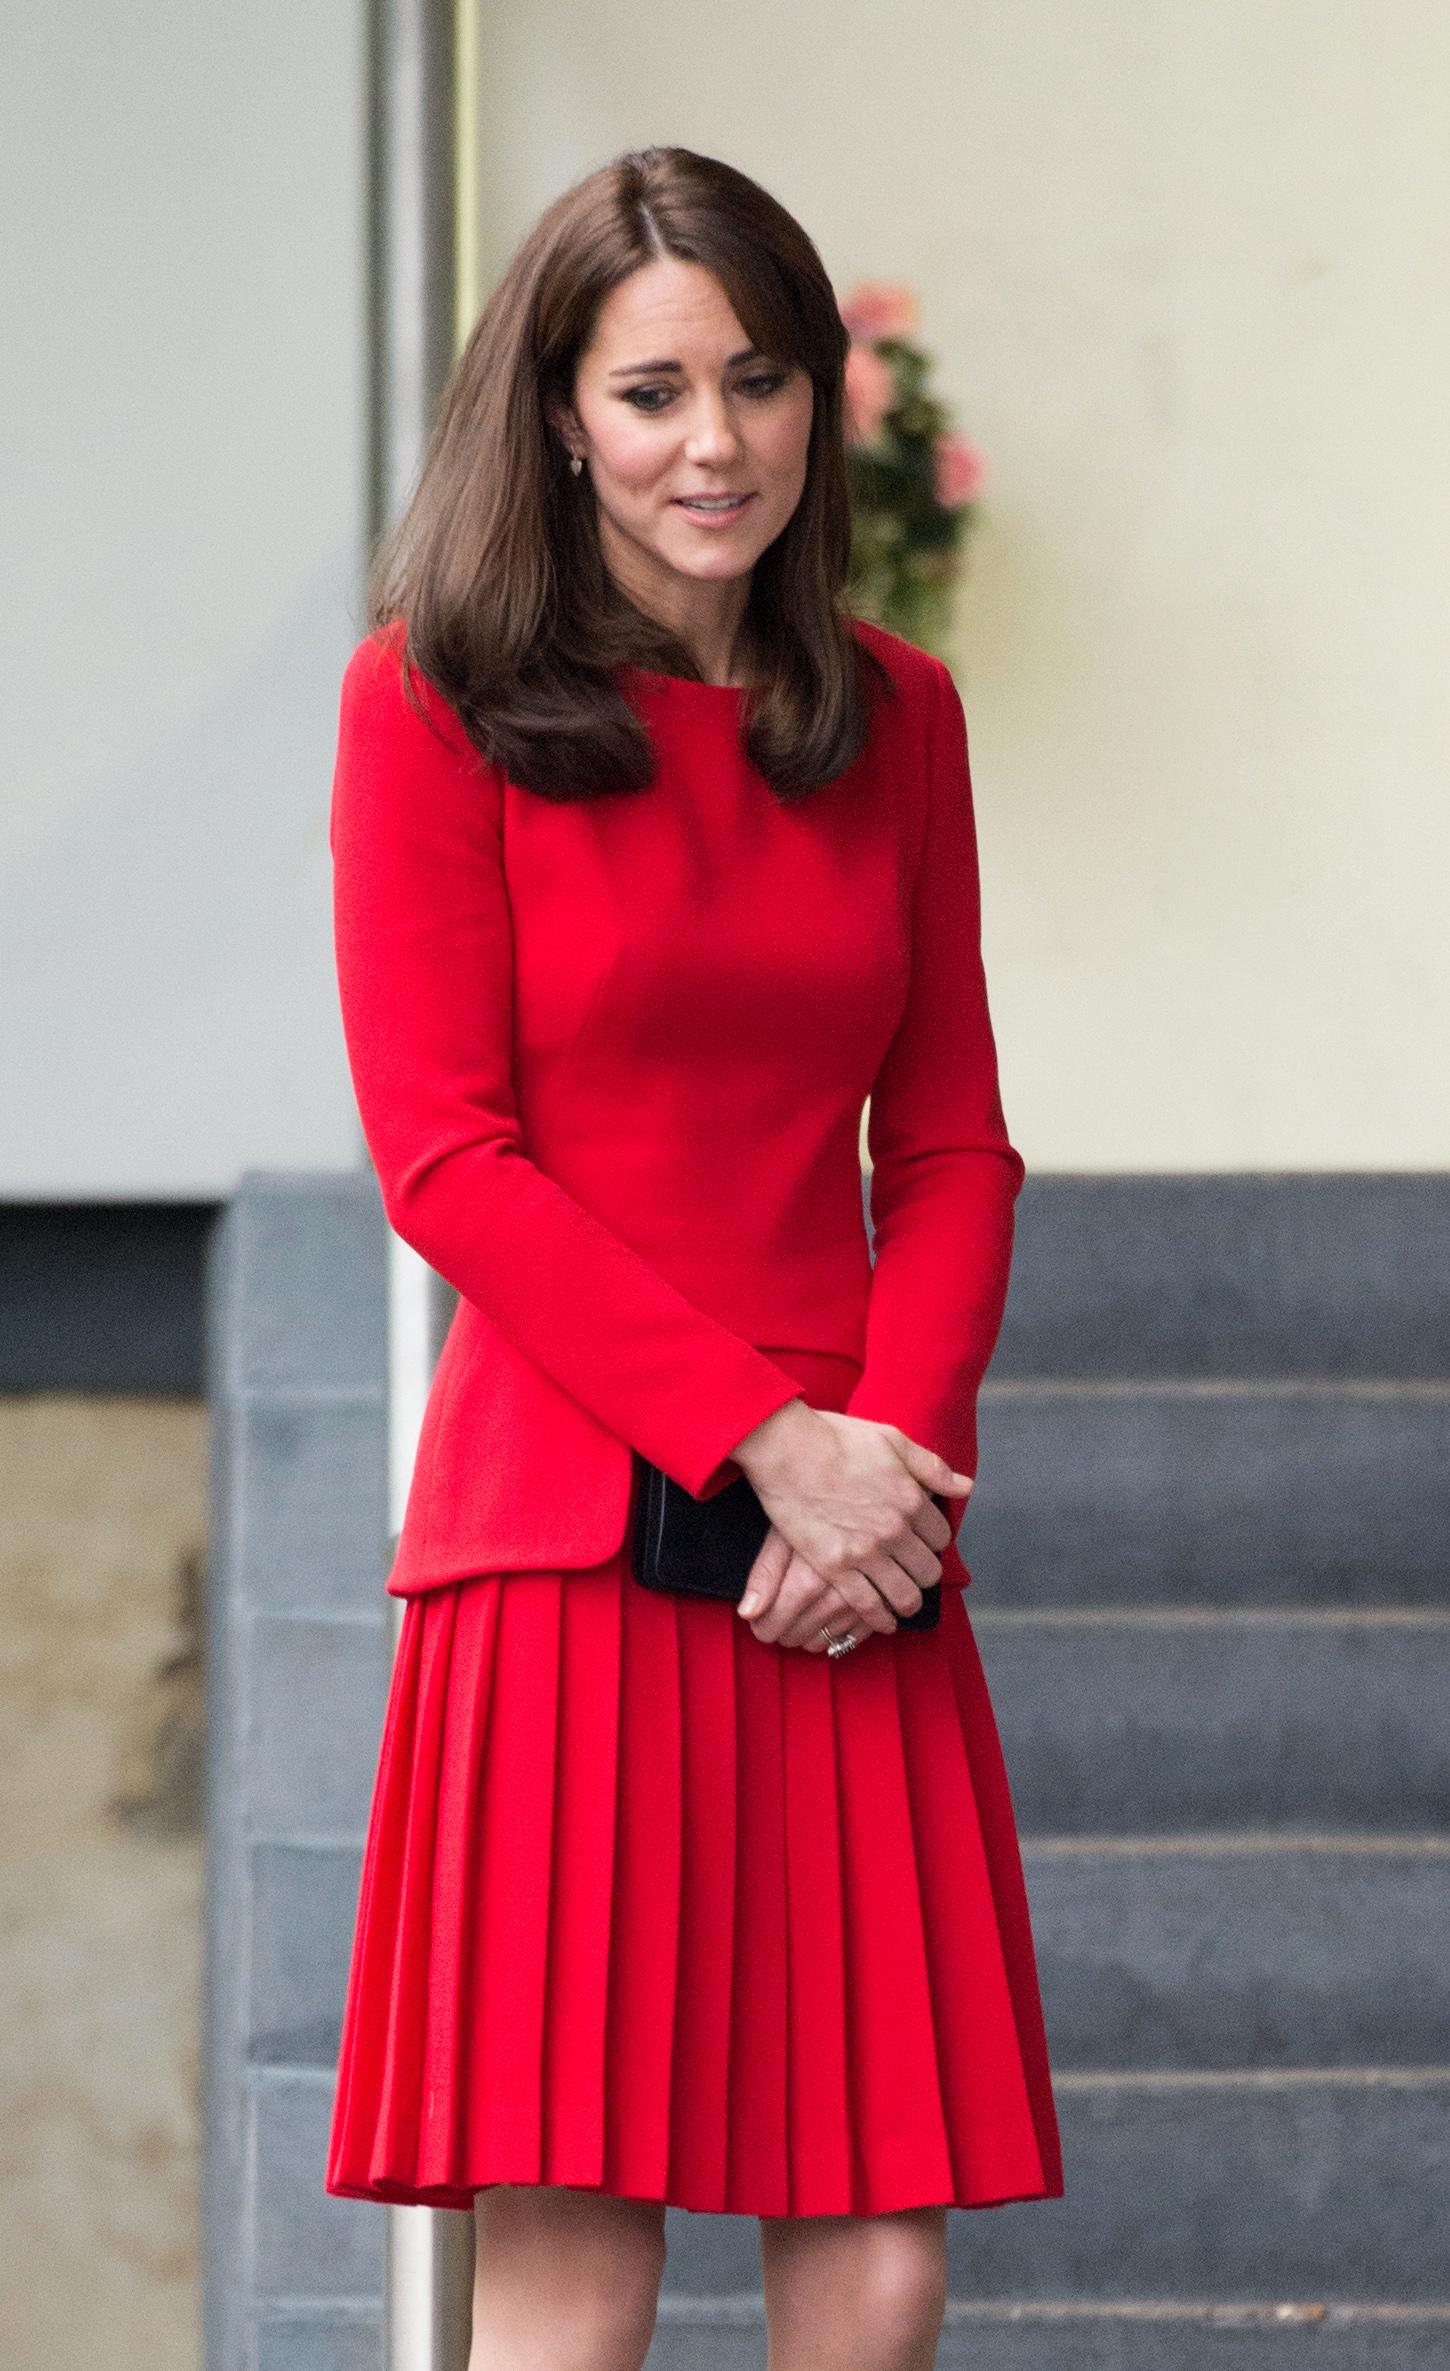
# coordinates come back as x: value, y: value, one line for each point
x: 183, y: 410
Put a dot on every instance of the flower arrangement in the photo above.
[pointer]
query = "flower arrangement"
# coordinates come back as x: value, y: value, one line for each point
x: 913, y: 479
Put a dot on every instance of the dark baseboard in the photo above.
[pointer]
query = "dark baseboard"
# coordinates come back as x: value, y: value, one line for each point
x: 103, y: 1296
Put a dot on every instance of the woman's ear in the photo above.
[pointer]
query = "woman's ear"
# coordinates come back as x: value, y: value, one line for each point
x: 561, y: 419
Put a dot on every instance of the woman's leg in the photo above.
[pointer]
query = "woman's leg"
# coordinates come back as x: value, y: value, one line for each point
x: 564, y: 2279
x: 854, y: 2292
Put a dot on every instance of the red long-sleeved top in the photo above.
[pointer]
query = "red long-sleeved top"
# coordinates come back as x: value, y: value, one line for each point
x: 610, y: 1058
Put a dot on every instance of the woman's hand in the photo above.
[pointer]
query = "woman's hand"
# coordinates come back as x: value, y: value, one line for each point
x: 850, y: 1497
x: 799, y: 1607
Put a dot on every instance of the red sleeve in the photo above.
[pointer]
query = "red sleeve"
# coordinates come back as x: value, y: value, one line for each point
x: 425, y: 976
x: 944, y: 1176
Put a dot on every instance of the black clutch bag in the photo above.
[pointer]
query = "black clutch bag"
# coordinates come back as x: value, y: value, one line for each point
x: 705, y: 1547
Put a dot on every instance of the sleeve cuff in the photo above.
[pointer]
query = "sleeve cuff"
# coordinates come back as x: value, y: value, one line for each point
x: 761, y: 1388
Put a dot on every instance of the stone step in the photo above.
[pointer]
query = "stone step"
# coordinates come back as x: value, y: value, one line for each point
x: 1241, y: 1492
x: 1272, y: 1273
x: 1325, y: 2184
x: 1264, y: 1949
x: 1144, y: 1720
x: 728, y: 2334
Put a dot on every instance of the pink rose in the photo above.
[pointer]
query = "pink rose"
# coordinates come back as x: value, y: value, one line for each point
x: 870, y: 393
x: 879, y: 309
x: 959, y: 470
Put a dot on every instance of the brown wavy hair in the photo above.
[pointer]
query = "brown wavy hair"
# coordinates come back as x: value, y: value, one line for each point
x: 495, y: 568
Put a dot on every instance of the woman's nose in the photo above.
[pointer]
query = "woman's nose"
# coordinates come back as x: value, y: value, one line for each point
x: 711, y: 433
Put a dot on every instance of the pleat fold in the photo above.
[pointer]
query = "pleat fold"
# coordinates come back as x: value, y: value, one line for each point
x: 900, y: 2149
x: 644, y: 1940
x: 819, y: 2084
x: 450, y: 2023
x: 757, y: 2174
x: 989, y: 1790
x: 508, y: 1881
x: 585, y: 1832
x: 706, y: 1979
x: 652, y: 1906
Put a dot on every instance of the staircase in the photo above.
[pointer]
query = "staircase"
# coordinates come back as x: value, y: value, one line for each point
x: 1211, y: 1560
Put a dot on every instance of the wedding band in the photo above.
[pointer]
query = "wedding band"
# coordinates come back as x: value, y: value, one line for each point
x: 841, y: 1645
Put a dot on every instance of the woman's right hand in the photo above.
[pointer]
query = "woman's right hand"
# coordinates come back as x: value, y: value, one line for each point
x: 852, y: 1497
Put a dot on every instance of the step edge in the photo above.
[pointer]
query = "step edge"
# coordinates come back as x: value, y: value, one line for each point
x: 687, y: 2307
x: 1281, y: 1386
x: 1230, y: 1843
x: 1250, y: 2078
x: 1203, y: 1616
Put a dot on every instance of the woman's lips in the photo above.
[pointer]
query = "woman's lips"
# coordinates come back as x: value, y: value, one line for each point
x: 714, y: 517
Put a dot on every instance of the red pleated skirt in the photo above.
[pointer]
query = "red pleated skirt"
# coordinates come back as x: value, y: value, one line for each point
x: 655, y: 1907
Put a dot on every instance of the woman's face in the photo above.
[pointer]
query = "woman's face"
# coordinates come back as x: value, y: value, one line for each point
x: 669, y: 404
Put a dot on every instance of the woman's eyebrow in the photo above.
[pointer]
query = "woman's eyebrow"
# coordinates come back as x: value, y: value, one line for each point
x: 627, y: 369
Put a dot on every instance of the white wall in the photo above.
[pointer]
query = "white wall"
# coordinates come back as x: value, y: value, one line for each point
x: 182, y: 287
x: 1184, y: 268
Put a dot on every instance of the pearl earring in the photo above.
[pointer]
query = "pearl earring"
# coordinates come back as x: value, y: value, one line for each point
x: 576, y: 463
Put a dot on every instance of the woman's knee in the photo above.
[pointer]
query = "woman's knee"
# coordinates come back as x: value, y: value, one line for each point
x: 573, y: 2273
x: 858, y: 2290
x: 903, y: 2275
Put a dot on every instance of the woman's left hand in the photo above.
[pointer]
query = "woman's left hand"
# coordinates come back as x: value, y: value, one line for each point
x: 800, y: 1606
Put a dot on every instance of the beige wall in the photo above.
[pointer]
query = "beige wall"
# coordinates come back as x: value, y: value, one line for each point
x: 1184, y: 270
x: 102, y: 1564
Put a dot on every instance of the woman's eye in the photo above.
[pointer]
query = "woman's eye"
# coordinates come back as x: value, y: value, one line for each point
x: 758, y: 385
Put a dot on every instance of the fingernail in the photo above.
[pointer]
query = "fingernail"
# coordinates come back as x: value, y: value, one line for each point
x: 748, y: 1605
x: 964, y: 1479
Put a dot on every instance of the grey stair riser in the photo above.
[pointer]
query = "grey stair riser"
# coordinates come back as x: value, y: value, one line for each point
x: 301, y: 1909
x: 1242, y: 1495
x: 317, y: 2342
x: 1329, y: 2189
x: 1141, y: 1724
x: 1240, y: 1956
x: 1105, y: 2342
x: 1225, y: 1956
x: 1307, y: 1273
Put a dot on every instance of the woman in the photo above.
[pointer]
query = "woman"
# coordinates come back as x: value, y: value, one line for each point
x: 650, y: 866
